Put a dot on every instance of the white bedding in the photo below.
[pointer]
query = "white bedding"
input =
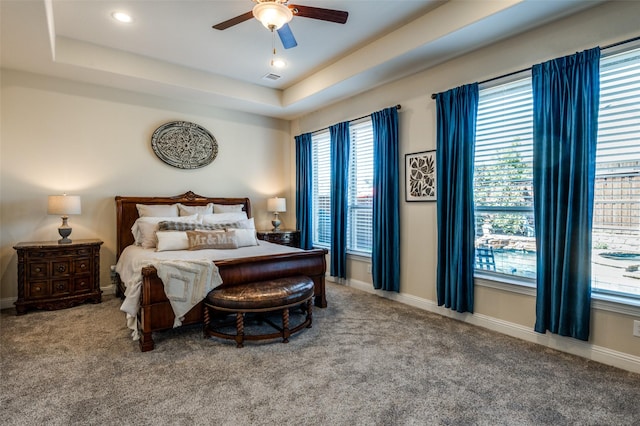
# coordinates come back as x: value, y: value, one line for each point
x: 134, y: 258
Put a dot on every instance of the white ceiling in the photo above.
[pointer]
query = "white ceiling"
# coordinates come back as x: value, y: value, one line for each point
x: 170, y: 49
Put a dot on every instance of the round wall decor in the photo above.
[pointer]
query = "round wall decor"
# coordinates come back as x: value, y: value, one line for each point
x: 184, y: 145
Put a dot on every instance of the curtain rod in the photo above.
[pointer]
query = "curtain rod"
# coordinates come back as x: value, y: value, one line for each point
x: 355, y: 119
x: 609, y: 46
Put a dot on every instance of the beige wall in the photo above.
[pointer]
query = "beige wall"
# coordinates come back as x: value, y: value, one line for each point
x: 59, y: 136
x: 507, y: 311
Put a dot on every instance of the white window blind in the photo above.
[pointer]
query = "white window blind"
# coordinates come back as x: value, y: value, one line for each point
x: 616, y: 219
x: 360, y: 188
x: 321, y: 189
x: 359, y: 229
x: 503, y: 180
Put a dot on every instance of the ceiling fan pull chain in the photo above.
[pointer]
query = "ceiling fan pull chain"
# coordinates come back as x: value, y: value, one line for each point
x: 273, y: 42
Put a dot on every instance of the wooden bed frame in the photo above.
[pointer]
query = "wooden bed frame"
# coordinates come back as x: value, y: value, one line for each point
x: 155, y: 312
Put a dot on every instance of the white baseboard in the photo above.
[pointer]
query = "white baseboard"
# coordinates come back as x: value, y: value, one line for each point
x: 575, y: 347
x: 7, y: 302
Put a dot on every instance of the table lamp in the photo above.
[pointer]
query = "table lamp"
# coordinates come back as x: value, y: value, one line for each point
x: 64, y: 205
x: 276, y: 205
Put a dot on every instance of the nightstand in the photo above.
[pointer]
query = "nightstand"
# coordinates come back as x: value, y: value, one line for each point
x: 286, y: 237
x: 55, y: 276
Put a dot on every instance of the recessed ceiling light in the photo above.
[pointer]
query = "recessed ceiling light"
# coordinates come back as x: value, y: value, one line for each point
x: 122, y: 17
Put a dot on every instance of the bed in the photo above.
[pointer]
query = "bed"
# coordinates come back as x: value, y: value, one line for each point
x: 155, y: 312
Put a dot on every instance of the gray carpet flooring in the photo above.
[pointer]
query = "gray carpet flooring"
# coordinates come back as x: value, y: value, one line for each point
x: 366, y: 361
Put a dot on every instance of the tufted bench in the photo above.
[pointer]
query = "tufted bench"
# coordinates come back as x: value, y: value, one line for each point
x: 259, y: 297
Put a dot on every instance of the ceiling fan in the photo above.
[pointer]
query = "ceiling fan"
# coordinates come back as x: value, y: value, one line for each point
x: 276, y: 15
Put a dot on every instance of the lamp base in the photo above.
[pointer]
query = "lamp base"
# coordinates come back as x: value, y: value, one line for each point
x: 64, y: 230
x: 276, y: 221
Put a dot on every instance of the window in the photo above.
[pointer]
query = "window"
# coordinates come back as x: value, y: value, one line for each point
x: 360, y: 188
x: 321, y: 189
x: 359, y: 229
x: 616, y: 220
x: 503, y: 180
x: 505, y: 228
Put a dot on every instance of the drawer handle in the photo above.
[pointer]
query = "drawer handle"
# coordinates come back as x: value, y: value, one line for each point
x: 83, y: 266
x: 38, y: 270
x: 37, y: 288
x: 62, y: 268
x: 60, y: 286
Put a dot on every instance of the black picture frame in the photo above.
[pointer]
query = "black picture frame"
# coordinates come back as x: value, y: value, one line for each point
x: 420, y: 176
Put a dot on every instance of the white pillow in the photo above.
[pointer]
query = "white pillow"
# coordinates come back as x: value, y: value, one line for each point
x: 146, y: 234
x: 144, y: 228
x: 224, y: 217
x: 164, y: 210
x: 246, y: 237
x: 227, y: 208
x: 172, y: 240
x: 191, y: 210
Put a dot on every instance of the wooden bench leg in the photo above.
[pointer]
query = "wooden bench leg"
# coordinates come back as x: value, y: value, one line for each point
x: 239, y: 329
x: 206, y: 320
x: 285, y: 325
x: 309, y: 313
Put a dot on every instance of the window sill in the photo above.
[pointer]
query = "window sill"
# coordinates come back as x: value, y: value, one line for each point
x: 605, y: 302
x: 360, y: 256
x: 355, y: 255
x: 503, y: 282
x: 619, y: 304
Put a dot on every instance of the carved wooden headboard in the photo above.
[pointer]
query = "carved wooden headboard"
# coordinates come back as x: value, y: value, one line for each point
x: 127, y: 213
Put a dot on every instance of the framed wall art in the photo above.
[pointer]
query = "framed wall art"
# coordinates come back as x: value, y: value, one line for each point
x: 420, y: 176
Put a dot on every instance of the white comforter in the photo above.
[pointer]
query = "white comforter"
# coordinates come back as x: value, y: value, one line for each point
x: 181, y: 267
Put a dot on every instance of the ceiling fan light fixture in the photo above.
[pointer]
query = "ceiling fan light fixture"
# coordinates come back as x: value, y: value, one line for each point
x: 272, y: 14
x: 278, y: 63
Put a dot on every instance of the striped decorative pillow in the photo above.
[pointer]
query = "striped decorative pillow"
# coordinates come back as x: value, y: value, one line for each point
x: 183, y: 226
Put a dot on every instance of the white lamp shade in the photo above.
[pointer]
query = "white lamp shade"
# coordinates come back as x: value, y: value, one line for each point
x: 277, y: 204
x: 272, y: 14
x: 64, y: 204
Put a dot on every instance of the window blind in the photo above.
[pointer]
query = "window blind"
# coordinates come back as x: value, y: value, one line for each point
x: 360, y: 188
x: 616, y: 218
x: 617, y: 189
x: 359, y: 225
x: 503, y: 180
x: 321, y: 189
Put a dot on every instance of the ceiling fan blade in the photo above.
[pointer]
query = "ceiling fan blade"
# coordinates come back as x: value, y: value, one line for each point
x: 331, y: 15
x: 234, y: 21
x: 286, y: 37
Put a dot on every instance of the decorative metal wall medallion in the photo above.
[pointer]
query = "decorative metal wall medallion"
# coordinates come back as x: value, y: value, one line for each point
x: 184, y: 145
